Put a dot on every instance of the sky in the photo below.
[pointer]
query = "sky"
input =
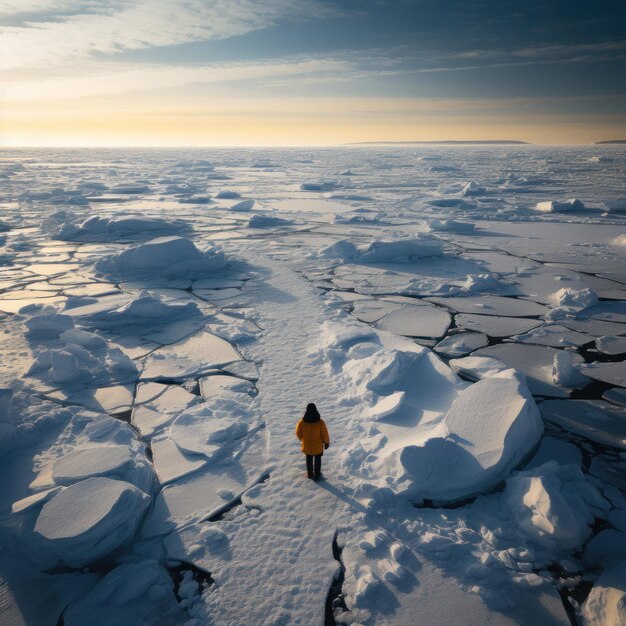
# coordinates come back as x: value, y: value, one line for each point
x: 310, y: 72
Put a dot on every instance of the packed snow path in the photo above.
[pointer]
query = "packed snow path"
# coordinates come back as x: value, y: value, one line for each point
x: 282, y: 564
x: 279, y: 565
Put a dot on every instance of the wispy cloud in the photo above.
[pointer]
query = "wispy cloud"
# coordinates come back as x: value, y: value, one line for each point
x: 118, y: 78
x: 129, y: 25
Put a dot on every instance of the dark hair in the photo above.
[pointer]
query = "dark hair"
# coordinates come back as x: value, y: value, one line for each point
x: 311, y: 414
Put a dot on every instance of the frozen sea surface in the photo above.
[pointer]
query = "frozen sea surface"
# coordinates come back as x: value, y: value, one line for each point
x: 457, y: 314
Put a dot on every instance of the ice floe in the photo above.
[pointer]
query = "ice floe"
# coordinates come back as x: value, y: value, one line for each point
x: 90, y: 519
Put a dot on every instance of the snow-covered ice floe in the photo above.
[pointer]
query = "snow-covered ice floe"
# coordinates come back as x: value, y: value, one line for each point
x: 431, y: 437
x: 70, y: 227
x: 164, y: 257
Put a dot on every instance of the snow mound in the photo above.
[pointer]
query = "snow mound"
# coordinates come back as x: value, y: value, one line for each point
x: 560, y: 206
x: 342, y: 249
x: 147, y: 309
x: 481, y: 282
x: 399, y: 250
x: 48, y: 325
x: 200, y: 430
x: 73, y: 364
x: 267, y: 221
x: 164, y: 257
x: 132, y: 593
x: 490, y: 428
x: 319, y: 186
x: 564, y: 372
x: 383, y: 251
x: 451, y: 226
x: 575, y: 299
x: 90, y: 519
x: 472, y: 188
x: 243, y: 206
x: 96, y: 228
x: 551, y: 506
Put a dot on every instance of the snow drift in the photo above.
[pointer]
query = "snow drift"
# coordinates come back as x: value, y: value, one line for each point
x: 164, y: 257
x: 96, y: 228
x: 383, y: 251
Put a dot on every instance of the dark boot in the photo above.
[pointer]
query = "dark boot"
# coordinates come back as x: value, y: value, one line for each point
x: 318, y: 466
x: 309, y: 466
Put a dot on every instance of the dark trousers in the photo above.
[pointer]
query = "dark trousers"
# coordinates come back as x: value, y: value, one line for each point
x: 314, y: 459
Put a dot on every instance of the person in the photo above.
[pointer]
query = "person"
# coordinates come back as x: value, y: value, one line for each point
x: 312, y: 432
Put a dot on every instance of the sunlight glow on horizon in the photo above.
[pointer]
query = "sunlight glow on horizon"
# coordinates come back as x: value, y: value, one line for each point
x: 241, y: 73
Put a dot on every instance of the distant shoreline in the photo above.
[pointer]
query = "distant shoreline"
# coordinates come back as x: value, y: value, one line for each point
x: 611, y: 141
x: 486, y: 142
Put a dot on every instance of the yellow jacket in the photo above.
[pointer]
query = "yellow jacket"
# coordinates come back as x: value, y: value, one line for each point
x: 313, y: 436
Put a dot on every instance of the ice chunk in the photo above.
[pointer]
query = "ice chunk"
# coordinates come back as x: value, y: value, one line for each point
x: 560, y: 206
x: 547, y: 506
x: 130, y: 188
x: 612, y: 373
x: 494, y: 326
x: 491, y: 426
x: 554, y: 335
x: 461, y: 344
x: 564, y: 373
x: 89, y: 520
x: 606, y: 603
x: 535, y: 362
x: 200, y: 430
x: 131, y: 593
x: 83, y: 338
x: 342, y: 249
x: 420, y: 320
x: 388, y: 405
x: 218, y: 386
x: 472, y: 188
x: 451, y: 226
x: 194, y: 355
x: 96, y: 228
x: 48, y: 325
x: 568, y: 301
x: 244, y: 205
x: 399, y: 250
x: 113, y: 461
x: 478, y: 367
x: 318, y: 186
x: 164, y: 257
x: 144, y: 310
x: 157, y: 405
x: 171, y: 463
x: 74, y: 365
x: 492, y: 305
x: 611, y: 344
x: 267, y: 221
x: 200, y: 495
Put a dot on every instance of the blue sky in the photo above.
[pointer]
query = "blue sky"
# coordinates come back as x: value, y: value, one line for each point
x: 96, y: 70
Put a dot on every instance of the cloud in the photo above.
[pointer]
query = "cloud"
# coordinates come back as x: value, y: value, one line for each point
x: 112, y: 27
x: 118, y: 78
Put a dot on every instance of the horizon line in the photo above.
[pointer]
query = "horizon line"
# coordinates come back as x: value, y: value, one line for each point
x: 354, y: 144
